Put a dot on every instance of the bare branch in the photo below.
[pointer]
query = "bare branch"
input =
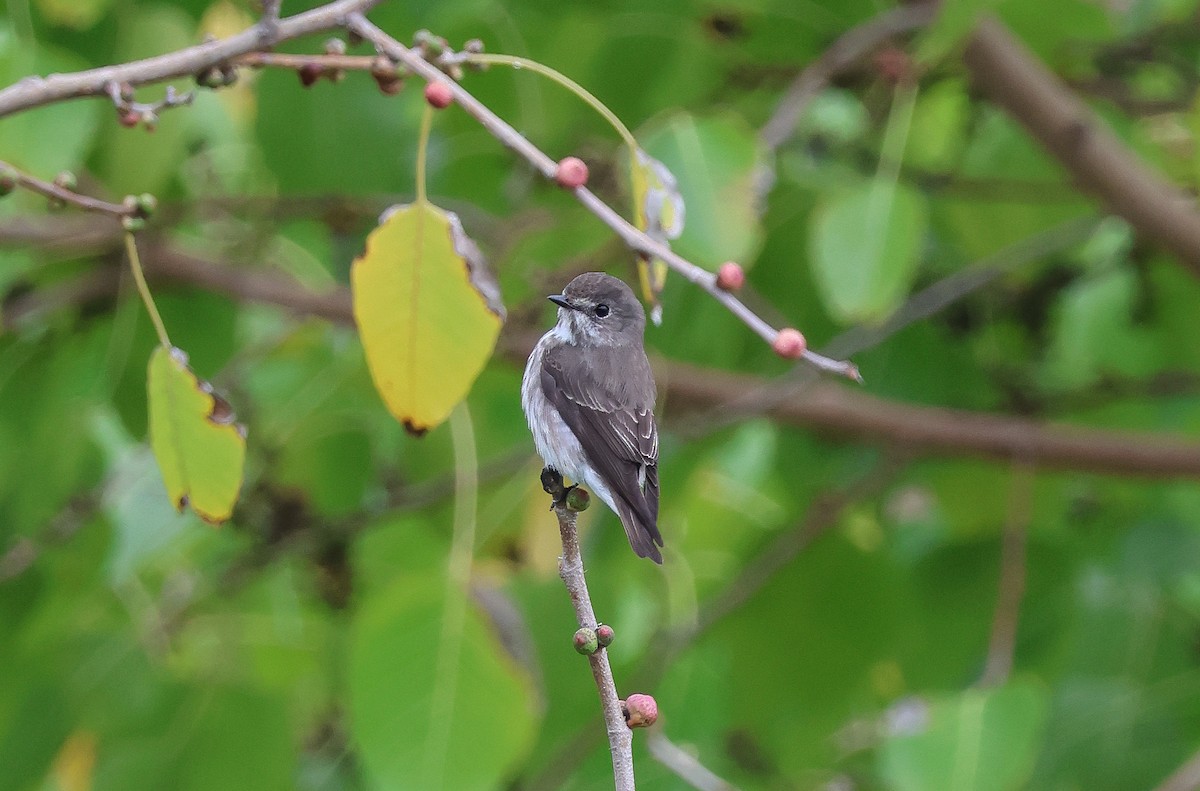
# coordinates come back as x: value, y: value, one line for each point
x: 1185, y: 778
x: 37, y: 91
x: 830, y: 407
x: 570, y: 569
x: 1003, y: 641
x: 685, y: 765
x: 843, y: 53
x: 1100, y: 163
x: 63, y: 195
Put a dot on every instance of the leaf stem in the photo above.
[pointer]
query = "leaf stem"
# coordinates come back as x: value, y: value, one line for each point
x: 563, y: 80
x: 458, y: 580
x: 423, y: 151
x: 135, y: 266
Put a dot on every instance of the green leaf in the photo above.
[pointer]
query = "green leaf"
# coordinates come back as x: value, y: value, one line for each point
x: 199, y: 448
x: 865, y: 246
x: 46, y: 139
x: 980, y: 740
x: 939, y: 126
x: 428, y: 312
x: 956, y: 19
x: 78, y: 14
x: 417, y: 715
x: 1094, y: 333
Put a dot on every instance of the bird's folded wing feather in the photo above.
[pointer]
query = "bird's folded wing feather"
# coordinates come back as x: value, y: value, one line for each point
x: 611, y: 412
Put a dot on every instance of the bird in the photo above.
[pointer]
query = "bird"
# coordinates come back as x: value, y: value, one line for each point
x: 588, y: 395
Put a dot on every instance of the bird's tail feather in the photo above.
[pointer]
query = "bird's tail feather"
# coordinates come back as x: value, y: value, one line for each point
x: 642, y: 533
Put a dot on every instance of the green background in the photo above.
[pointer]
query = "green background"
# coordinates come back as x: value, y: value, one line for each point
x: 824, y: 618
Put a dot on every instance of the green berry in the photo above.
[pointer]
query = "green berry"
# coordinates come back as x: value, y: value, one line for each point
x: 578, y: 499
x: 586, y: 641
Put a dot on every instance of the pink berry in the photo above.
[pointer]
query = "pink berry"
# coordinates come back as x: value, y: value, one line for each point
x: 731, y: 276
x: 129, y: 118
x: 438, y: 94
x: 790, y: 344
x: 641, y: 711
x: 572, y: 172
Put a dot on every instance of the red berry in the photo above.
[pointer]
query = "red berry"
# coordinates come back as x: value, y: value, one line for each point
x: 572, y: 172
x: 641, y: 711
x: 893, y: 64
x: 790, y: 344
x: 438, y: 94
x: 309, y: 74
x: 731, y: 276
x: 129, y: 118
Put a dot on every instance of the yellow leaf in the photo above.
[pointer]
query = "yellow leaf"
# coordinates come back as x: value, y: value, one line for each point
x: 199, y: 448
x: 428, y: 312
x: 659, y: 211
x: 75, y: 763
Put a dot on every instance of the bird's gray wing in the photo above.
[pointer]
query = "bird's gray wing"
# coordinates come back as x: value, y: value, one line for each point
x: 610, y: 409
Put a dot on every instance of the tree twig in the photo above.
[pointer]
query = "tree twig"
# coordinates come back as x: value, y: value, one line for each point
x: 1003, y: 640
x: 684, y: 765
x: 843, y: 53
x: 61, y: 194
x: 570, y: 569
x: 37, y: 91
x: 1185, y: 778
x: 1004, y: 69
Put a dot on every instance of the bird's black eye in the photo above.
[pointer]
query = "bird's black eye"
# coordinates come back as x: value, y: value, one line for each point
x: 602, y: 310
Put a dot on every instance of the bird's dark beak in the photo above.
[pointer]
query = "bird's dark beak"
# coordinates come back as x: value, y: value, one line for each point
x: 562, y: 302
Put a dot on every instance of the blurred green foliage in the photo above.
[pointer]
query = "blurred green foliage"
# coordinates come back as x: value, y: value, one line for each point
x: 302, y: 645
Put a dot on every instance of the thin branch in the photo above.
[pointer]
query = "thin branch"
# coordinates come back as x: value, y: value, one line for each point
x: 1013, y: 78
x: 851, y: 47
x: 821, y: 516
x: 1003, y: 641
x: 37, y: 91
x: 61, y: 194
x: 684, y: 765
x: 1185, y: 778
x: 570, y: 569
x: 636, y: 240
x: 283, y: 60
x: 268, y: 33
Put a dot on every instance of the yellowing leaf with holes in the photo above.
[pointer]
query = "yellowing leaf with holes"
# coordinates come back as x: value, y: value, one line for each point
x: 200, y: 448
x: 428, y: 312
x: 658, y: 210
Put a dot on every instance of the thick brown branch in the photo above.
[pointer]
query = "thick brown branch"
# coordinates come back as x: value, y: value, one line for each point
x: 37, y: 91
x: 823, y: 406
x: 1100, y: 163
x: 826, y: 406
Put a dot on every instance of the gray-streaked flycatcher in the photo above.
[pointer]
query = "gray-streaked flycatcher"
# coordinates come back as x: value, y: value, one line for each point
x: 588, y: 395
